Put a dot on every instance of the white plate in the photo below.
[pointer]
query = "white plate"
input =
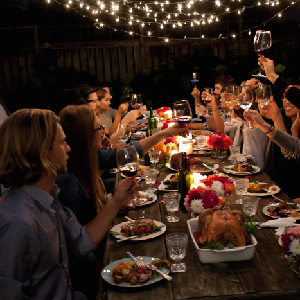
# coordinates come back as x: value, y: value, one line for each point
x: 163, y: 187
x: 197, y: 148
x: 215, y: 166
x: 227, y: 169
x: 168, y: 165
x: 273, y: 189
x: 117, y: 228
x: 265, y: 210
x: 149, y: 195
x: 107, y: 272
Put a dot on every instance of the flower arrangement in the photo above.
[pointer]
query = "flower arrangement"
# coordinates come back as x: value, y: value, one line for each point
x: 164, y: 110
x: 221, y: 185
x: 200, y: 198
x: 218, y: 141
x: 291, y: 247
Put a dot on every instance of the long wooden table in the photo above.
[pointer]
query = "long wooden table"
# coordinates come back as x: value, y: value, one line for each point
x: 266, y: 276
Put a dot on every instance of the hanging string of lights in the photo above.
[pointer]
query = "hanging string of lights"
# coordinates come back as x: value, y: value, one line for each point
x: 164, y: 15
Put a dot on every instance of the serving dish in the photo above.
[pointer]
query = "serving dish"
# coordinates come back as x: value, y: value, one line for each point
x: 216, y: 256
x: 138, y: 200
x: 107, y: 273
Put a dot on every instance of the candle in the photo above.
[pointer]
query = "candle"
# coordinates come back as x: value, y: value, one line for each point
x: 168, y: 114
x: 185, y: 144
x: 198, y: 177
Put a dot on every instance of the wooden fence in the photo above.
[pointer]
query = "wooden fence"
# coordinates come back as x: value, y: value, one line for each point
x: 108, y: 61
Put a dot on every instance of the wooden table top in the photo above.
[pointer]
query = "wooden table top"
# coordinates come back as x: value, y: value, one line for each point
x: 266, y: 276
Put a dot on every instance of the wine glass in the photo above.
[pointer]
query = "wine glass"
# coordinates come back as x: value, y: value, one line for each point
x: 127, y: 95
x: 195, y: 79
x: 177, y: 244
x: 182, y: 112
x: 231, y: 96
x: 246, y: 98
x: 263, y: 95
x: 127, y: 161
x: 209, y: 92
x: 136, y: 101
x: 154, y: 157
x: 241, y: 186
x: 172, y: 204
x: 123, y: 133
x: 262, y: 44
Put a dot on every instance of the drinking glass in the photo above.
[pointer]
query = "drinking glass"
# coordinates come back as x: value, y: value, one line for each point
x: 127, y: 95
x: 263, y: 94
x: 182, y: 112
x: 209, y: 92
x: 241, y: 186
x: 177, y: 244
x: 200, y: 110
x: 201, y: 141
x: 262, y: 44
x: 123, y: 133
x: 150, y: 179
x: 250, y: 205
x: 136, y: 101
x: 172, y: 204
x: 234, y: 151
x: 231, y: 95
x: 154, y: 157
x: 127, y: 161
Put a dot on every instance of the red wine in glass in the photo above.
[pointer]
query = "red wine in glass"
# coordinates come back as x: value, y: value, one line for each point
x: 263, y: 52
x: 184, y: 121
x: 136, y: 106
x: 129, y: 170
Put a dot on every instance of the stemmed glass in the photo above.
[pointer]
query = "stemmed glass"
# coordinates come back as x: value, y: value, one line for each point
x: 127, y: 95
x: 182, y: 112
x: 263, y: 95
x: 262, y: 43
x: 195, y: 79
x: 127, y: 161
x: 246, y: 98
x: 154, y: 157
x: 230, y: 98
x: 150, y: 179
x: 136, y: 101
x: 177, y: 244
x: 172, y: 204
x: 241, y: 186
x: 209, y: 91
x: 123, y: 133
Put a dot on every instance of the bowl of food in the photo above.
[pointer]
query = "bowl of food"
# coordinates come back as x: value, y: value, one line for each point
x: 225, y: 234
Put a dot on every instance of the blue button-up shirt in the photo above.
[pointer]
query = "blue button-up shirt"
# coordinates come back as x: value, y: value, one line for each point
x: 36, y: 233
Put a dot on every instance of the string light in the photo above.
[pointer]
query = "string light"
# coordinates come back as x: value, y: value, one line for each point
x: 155, y: 14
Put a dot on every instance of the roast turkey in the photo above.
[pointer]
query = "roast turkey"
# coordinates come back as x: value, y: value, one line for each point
x: 222, y: 226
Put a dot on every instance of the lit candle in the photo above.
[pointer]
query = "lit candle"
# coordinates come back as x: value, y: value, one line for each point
x: 185, y: 144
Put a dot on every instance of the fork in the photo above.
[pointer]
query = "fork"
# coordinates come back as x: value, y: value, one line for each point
x: 144, y: 264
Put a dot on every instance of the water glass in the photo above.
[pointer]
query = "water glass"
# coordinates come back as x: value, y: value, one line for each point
x: 177, y: 244
x: 154, y: 156
x: 172, y: 204
x: 150, y: 179
x: 250, y: 205
x: 234, y: 151
x: 201, y: 141
x: 241, y: 186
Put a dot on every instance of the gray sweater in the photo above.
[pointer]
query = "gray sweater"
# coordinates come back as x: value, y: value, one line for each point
x: 287, y: 142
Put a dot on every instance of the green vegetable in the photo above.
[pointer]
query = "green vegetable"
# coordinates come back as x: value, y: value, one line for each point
x: 114, y: 233
x: 230, y: 246
x: 208, y: 163
x: 213, y: 245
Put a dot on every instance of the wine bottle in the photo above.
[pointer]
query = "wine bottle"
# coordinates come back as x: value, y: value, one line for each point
x: 152, y: 122
x: 146, y: 156
x: 186, y: 181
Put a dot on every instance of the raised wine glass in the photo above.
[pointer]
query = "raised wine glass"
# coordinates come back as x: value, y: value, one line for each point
x: 209, y: 93
x: 136, y: 101
x: 263, y: 95
x: 195, y: 79
x: 182, y: 112
x: 262, y: 44
x: 246, y: 98
x: 127, y: 161
x: 127, y: 95
x: 123, y: 133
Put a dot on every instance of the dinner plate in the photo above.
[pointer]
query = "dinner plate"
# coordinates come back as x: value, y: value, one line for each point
x: 227, y: 169
x: 153, y: 196
x: 163, y: 186
x: 216, y: 166
x: 197, y: 148
x: 107, y: 272
x: 265, y: 210
x: 272, y: 190
x: 117, y: 228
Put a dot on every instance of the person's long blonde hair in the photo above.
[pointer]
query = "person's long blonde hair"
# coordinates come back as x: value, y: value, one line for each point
x: 77, y: 122
x: 26, y: 137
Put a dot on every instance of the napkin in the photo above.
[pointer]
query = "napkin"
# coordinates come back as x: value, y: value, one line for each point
x: 279, y: 223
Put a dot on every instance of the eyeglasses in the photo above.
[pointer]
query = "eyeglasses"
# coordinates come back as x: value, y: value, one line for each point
x: 101, y: 128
